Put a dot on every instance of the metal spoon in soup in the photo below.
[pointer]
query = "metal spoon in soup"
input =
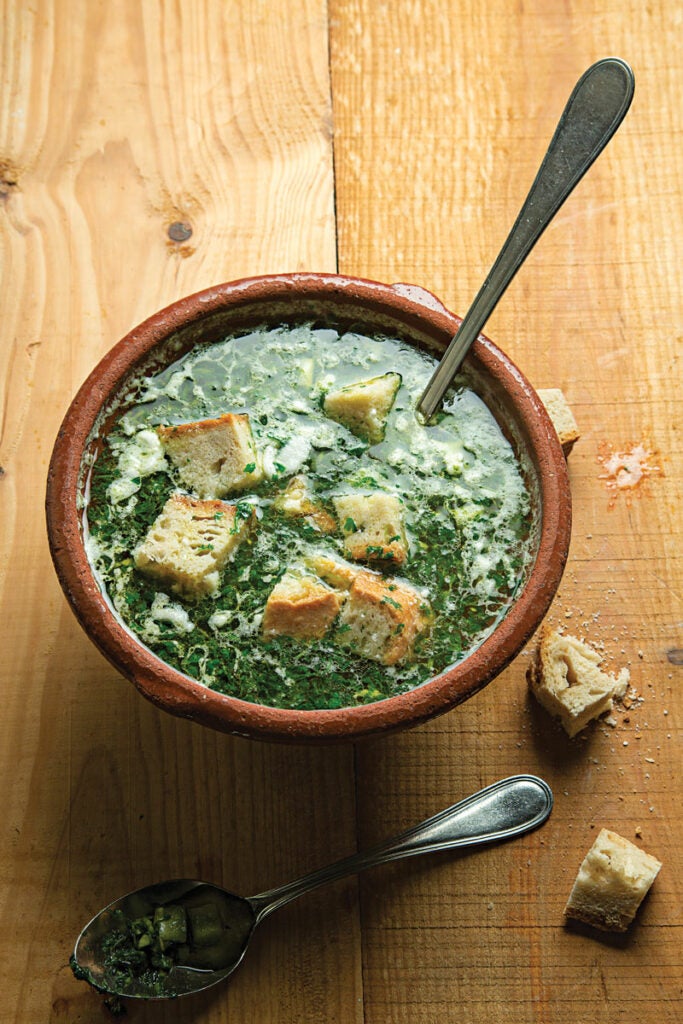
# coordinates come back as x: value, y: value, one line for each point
x: 594, y: 111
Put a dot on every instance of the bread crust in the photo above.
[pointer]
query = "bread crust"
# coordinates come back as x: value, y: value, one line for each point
x: 300, y: 606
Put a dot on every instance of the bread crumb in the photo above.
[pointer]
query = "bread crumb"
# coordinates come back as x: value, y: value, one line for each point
x: 625, y: 471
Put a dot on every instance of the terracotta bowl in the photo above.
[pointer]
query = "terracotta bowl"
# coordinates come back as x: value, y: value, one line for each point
x: 404, y: 310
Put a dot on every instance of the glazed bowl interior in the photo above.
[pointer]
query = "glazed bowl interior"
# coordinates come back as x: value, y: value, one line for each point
x: 344, y: 303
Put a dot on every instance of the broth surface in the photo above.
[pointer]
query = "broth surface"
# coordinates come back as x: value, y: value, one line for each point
x: 466, y: 507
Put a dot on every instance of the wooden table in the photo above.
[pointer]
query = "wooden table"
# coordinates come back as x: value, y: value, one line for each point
x: 149, y: 149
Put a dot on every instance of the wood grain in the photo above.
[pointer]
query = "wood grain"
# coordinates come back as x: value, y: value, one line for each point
x: 426, y: 190
x: 117, y: 122
x: 395, y: 141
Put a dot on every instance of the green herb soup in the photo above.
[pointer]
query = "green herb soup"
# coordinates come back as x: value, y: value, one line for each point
x: 461, y: 550
x: 153, y: 942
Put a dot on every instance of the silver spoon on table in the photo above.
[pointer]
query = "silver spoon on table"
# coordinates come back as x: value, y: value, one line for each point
x: 594, y: 111
x: 219, y: 924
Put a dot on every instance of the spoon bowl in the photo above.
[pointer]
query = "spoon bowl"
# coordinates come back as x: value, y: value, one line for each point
x: 104, y: 954
x: 182, y: 936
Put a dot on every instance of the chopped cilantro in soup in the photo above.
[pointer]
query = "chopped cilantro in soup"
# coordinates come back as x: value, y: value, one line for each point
x: 269, y: 516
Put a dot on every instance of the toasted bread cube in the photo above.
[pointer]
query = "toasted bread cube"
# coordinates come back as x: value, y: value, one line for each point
x: 562, y: 417
x: 300, y: 606
x: 335, y: 571
x: 189, y: 543
x: 364, y: 407
x: 381, y: 618
x: 372, y: 525
x: 612, y: 882
x: 566, y: 680
x: 296, y: 501
x: 214, y: 458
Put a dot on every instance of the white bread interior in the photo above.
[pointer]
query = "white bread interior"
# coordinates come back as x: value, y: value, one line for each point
x: 189, y: 543
x: 611, y: 883
x: 364, y: 407
x: 562, y: 417
x: 214, y: 457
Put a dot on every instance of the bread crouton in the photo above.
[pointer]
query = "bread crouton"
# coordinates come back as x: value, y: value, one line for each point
x: 364, y: 407
x: 611, y: 883
x: 301, y: 606
x: 381, y: 618
x: 189, y: 543
x: 334, y: 571
x: 566, y: 680
x: 562, y: 417
x: 296, y: 501
x: 214, y: 457
x: 372, y: 525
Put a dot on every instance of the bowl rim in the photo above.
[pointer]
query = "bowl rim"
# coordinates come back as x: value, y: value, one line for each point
x: 180, y: 695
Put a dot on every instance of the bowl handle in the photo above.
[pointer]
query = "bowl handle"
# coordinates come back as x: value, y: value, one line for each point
x: 416, y: 293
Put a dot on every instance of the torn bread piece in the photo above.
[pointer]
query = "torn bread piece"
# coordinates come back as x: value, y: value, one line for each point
x: 612, y: 882
x: 189, y: 543
x: 567, y: 681
x: 562, y: 417
x: 296, y: 501
x: 214, y: 457
x: 372, y: 525
x: 364, y: 407
x: 301, y: 606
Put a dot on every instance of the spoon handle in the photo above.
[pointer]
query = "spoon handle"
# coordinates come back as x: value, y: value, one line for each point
x: 507, y: 808
x: 593, y: 113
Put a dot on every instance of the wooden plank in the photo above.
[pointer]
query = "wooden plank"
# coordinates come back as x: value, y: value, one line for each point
x: 119, y: 121
x: 442, y: 115
x: 116, y: 122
